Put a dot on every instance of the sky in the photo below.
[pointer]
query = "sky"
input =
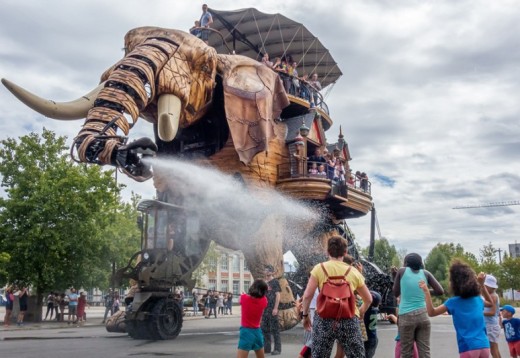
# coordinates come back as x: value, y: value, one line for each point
x: 428, y: 100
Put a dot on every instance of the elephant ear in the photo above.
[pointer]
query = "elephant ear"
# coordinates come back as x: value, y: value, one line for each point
x: 254, y: 97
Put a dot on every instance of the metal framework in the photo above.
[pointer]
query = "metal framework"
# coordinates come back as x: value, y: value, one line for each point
x: 488, y: 205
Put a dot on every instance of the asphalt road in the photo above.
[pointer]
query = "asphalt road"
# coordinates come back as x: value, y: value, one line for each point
x: 199, y: 338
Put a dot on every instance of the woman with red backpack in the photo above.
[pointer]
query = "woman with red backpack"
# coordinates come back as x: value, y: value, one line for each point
x: 337, y: 316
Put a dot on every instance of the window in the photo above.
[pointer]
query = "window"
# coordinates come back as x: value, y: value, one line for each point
x: 224, y: 286
x: 236, y: 287
x: 224, y: 262
x: 236, y: 263
x: 247, y: 284
x: 212, y: 284
x: 212, y: 263
x: 245, y: 265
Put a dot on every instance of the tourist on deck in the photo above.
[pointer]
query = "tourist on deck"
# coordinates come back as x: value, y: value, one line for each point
x: 286, y: 77
x: 266, y: 61
x: 205, y: 21
x: 414, y: 324
x: 195, y: 30
x: 351, y: 181
x: 316, y: 86
x: 317, y: 157
x: 339, y: 171
x: 277, y: 65
x: 364, y: 182
x: 314, y: 168
x: 305, y: 92
x: 465, y: 309
x: 295, y: 82
x: 331, y: 163
x: 327, y: 330
x: 321, y: 171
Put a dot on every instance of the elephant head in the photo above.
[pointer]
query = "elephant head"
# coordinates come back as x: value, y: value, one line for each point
x: 167, y: 77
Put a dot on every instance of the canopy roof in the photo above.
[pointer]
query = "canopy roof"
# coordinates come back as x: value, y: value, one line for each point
x: 252, y: 33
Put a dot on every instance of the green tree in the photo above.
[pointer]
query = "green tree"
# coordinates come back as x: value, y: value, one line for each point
x: 440, y: 257
x: 124, y: 240
x: 509, y: 274
x: 437, y: 263
x: 488, y: 259
x: 208, y: 264
x: 55, y: 214
x: 4, y: 259
x: 385, y: 255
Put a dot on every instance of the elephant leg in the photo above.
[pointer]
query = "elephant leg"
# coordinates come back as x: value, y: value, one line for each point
x: 265, y: 248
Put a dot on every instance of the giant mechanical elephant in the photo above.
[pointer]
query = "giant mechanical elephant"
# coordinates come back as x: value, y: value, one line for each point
x: 219, y: 109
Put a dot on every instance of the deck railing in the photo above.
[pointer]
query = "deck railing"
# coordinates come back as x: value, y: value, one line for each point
x: 299, y: 88
x: 300, y: 168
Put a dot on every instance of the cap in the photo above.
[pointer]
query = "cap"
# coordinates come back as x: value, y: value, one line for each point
x: 491, y: 281
x: 508, y: 308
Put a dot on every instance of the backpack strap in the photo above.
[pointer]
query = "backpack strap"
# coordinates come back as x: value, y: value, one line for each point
x: 327, y: 274
x: 323, y: 268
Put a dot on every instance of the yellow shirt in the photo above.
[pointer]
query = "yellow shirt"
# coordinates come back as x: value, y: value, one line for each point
x: 338, y: 268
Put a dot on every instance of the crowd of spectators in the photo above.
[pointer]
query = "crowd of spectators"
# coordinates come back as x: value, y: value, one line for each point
x: 336, y: 169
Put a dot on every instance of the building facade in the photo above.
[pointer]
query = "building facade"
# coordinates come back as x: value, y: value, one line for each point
x: 229, y: 273
x: 514, y: 250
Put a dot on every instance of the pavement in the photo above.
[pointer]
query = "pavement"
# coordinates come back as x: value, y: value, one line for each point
x: 94, y: 318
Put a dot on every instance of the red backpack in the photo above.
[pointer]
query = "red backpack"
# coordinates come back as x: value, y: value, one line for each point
x: 336, y: 299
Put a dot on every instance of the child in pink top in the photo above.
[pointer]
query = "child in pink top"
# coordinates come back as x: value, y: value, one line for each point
x: 253, y: 305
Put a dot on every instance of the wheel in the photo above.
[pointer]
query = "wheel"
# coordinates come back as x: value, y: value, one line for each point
x: 165, y: 321
x: 138, y: 329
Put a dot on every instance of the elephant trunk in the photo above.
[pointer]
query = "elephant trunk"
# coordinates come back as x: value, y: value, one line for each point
x: 129, y: 88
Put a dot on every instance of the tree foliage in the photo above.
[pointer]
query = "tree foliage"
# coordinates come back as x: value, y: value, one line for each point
x: 385, y: 255
x: 440, y: 257
x: 488, y: 259
x: 509, y: 274
x: 208, y: 264
x: 61, y: 221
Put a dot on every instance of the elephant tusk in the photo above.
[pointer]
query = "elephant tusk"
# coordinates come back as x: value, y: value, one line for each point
x: 168, y: 112
x: 76, y: 109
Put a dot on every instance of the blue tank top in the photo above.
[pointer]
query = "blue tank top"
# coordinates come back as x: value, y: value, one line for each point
x: 412, y: 296
x: 492, y: 320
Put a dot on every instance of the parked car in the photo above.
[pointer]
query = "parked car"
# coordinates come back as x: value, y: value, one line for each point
x: 3, y: 300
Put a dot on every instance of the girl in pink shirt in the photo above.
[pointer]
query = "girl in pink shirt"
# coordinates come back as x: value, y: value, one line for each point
x: 253, y: 305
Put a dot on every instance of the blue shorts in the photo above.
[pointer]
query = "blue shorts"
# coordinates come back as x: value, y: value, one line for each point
x: 250, y: 339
